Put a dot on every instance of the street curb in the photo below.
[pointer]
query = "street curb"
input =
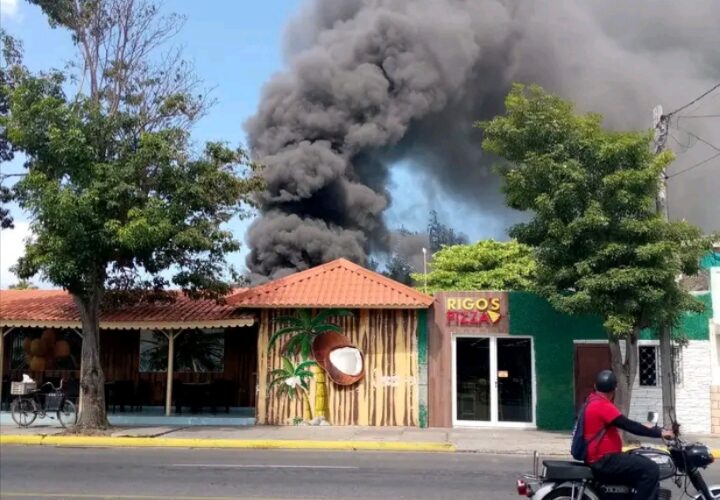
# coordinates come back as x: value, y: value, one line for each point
x: 266, y: 444
x: 715, y: 452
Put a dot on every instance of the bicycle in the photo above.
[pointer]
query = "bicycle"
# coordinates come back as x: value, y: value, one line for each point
x: 31, y: 402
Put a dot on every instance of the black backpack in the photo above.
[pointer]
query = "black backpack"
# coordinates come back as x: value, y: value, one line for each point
x: 578, y: 446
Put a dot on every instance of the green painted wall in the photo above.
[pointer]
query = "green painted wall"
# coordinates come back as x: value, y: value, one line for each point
x: 692, y: 325
x: 710, y: 260
x: 554, y: 334
x: 422, y: 337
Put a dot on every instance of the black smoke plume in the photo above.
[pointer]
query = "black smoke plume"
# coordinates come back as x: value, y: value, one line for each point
x: 372, y: 82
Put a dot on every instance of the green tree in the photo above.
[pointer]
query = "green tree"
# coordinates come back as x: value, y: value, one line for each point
x: 23, y: 285
x: 441, y: 235
x: 303, y: 328
x: 292, y: 380
x: 399, y: 266
x: 485, y: 265
x: 113, y: 189
x: 10, y: 57
x: 599, y: 244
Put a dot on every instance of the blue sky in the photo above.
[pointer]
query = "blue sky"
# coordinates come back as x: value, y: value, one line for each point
x: 235, y: 46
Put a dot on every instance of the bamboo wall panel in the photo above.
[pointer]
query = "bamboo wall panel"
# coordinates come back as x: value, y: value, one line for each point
x: 386, y: 396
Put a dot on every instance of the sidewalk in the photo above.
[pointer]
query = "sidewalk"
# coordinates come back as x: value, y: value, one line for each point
x: 489, y: 441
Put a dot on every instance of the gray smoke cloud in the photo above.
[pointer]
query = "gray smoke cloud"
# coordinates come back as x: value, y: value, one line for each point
x: 373, y: 82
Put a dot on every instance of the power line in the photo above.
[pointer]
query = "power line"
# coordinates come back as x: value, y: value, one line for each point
x: 684, y: 117
x: 699, y: 98
x: 696, y: 165
x: 700, y: 139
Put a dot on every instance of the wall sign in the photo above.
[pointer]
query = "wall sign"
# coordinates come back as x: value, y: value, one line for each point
x: 473, y: 311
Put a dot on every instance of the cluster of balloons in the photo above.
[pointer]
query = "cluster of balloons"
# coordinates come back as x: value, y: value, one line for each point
x: 42, y: 353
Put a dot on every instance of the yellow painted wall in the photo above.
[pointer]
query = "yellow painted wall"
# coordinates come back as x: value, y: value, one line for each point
x: 386, y: 396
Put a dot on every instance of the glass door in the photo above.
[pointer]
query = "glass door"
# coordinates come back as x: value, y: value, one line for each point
x: 472, y: 382
x: 514, y: 380
x: 493, y: 381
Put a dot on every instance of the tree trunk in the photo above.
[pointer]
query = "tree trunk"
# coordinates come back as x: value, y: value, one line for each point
x: 625, y: 371
x: 307, y: 409
x: 667, y: 380
x: 320, y: 392
x: 92, y: 378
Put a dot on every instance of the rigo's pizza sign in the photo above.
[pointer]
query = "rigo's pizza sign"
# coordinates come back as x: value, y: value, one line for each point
x: 474, y: 311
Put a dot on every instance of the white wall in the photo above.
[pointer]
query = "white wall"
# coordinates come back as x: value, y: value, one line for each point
x: 692, y: 395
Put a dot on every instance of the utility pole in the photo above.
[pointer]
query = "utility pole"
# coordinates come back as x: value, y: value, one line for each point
x: 661, y: 124
x: 424, y: 250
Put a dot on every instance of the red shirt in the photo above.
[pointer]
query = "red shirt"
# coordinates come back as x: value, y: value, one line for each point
x: 600, y: 412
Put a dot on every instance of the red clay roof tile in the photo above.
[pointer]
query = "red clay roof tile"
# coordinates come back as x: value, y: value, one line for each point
x: 58, y: 306
x: 339, y: 283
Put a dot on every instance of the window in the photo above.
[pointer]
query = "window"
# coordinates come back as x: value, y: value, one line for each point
x: 648, y: 366
x: 199, y: 351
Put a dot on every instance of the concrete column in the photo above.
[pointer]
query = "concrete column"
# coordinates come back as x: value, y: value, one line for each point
x: 2, y: 357
x: 80, y: 392
x: 171, y: 336
x: 169, y: 386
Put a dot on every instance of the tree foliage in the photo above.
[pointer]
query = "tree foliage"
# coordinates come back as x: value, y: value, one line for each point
x: 600, y: 246
x: 10, y: 58
x: 441, y: 235
x: 485, y: 265
x: 406, y: 252
x: 23, y: 285
x: 116, y: 195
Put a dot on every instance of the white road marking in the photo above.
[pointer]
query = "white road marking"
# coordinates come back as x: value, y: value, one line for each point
x: 259, y: 466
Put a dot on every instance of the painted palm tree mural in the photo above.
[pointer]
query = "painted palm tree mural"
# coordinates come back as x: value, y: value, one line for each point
x: 315, y: 336
x: 293, y: 380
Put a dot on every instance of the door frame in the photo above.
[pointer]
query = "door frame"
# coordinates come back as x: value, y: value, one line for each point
x: 494, y: 410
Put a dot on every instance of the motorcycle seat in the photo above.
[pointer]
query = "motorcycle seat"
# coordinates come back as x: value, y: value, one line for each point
x: 566, y: 471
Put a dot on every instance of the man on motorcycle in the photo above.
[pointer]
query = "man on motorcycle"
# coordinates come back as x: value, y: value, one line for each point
x: 602, y: 425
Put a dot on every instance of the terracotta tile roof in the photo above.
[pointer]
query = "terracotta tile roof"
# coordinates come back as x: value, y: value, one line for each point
x: 339, y: 283
x: 57, y: 308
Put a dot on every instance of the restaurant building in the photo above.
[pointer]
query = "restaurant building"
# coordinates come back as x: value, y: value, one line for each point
x: 400, y: 357
x: 508, y: 359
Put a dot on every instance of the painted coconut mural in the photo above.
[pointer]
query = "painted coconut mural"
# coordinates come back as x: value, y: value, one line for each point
x: 319, y: 346
x: 343, y: 362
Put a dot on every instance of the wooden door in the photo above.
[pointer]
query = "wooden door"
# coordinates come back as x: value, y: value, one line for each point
x: 590, y: 359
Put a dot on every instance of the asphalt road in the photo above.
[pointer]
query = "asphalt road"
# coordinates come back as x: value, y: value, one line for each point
x: 45, y: 472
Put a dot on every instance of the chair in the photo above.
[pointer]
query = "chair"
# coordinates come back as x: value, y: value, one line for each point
x: 72, y: 389
x: 221, y: 394
x: 179, y: 395
x: 141, y: 396
x: 6, y: 396
x: 124, y: 393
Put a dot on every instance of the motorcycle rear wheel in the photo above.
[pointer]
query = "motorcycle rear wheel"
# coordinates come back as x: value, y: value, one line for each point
x: 564, y: 494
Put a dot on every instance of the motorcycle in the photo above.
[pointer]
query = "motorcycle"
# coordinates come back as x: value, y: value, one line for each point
x: 682, y: 462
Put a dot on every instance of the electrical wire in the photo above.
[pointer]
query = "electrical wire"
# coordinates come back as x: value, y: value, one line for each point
x: 697, y: 99
x: 692, y: 134
x: 696, y: 165
x: 684, y: 117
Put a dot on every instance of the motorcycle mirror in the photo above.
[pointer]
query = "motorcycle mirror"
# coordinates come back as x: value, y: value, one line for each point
x: 653, y: 417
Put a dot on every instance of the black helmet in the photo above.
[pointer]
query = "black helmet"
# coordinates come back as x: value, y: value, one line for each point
x: 606, y: 381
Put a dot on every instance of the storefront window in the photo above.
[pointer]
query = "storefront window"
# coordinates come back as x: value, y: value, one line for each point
x: 45, y: 350
x: 195, y: 351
